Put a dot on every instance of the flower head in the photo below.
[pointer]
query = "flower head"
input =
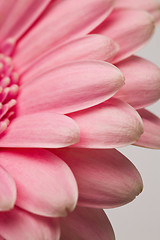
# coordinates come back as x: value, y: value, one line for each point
x: 64, y: 110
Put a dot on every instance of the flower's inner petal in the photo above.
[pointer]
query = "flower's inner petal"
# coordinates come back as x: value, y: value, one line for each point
x: 16, y: 17
x: 8, y: 91
x: 93, y: 46
x: 129, y: 28
x: 8, y: 191
x: 151, y: 136
x: 108, y: 125
x: 20, y: 225
x: 64, y: 20
x: 70, y: 87
x: 41, y: 130
x: 86, y: 224
x: 45, y: 184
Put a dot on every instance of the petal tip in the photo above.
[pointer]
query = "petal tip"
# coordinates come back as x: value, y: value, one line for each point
x: 9, y: 204
x: 137, y: 188
x: 137, y: 128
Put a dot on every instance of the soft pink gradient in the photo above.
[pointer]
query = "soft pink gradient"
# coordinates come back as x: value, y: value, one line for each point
x: 152, y: 6
x: 72, y: 91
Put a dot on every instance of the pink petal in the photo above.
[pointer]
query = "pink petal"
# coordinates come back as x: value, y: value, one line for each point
x: 63, y: 21
x: 152, y: 6
x: 142, y: 82
x: 105, y: 178
x: 71, y: 87
x: 151, y: 136
x: 18, y: 224
x: 108, y: 125
x: 17, y: 16
x: 129, y: 28
x: 45, y: 184
x: 7, y: 191
x: 86, y: 224
x: 96, y: 47
x: 46, y: 129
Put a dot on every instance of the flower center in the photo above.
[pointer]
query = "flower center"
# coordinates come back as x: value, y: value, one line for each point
x: 8, y: 91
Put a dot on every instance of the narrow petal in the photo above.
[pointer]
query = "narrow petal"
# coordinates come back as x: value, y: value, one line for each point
x: 63, y: 21
x: 85, y: 224
x: 151, y: 136
x: 152, y: 6
x: 45, y: 184
x: 142, y: 82
x: 41, y: 130
x: 93, y: 46
x: 71, y: 87
x: 108, y: 125
x: 16, y: 17
x: 129, y: 28
x: 105, y: 178
x: 8, y: 191
x: 18, y: 224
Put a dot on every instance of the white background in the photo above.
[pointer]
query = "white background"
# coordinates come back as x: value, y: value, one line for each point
x: 140, y: 220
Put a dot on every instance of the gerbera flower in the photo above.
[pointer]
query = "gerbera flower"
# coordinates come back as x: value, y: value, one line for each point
x: 59, y: 117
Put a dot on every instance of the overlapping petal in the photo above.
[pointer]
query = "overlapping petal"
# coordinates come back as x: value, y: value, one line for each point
x: 93, y: 46
x: 151, y: 136
x: 152, y: 6
x: 16, y: 17
x: 85, y: 223
x: 8, y: 191
x: 71, y: 87
x: 45, y: 184
x: 108, y: 125
x: 142, y: 82
x: 129, y: 28
x: 61, y: 50
x: 63, y: 21
x: 41, y: 130
x: 18, y: 224
x: 105, y: 178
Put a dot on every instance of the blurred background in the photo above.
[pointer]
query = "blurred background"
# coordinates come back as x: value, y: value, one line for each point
x: 140, y: 220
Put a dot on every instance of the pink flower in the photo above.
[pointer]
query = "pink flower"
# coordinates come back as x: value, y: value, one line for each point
x: 59, y: 120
